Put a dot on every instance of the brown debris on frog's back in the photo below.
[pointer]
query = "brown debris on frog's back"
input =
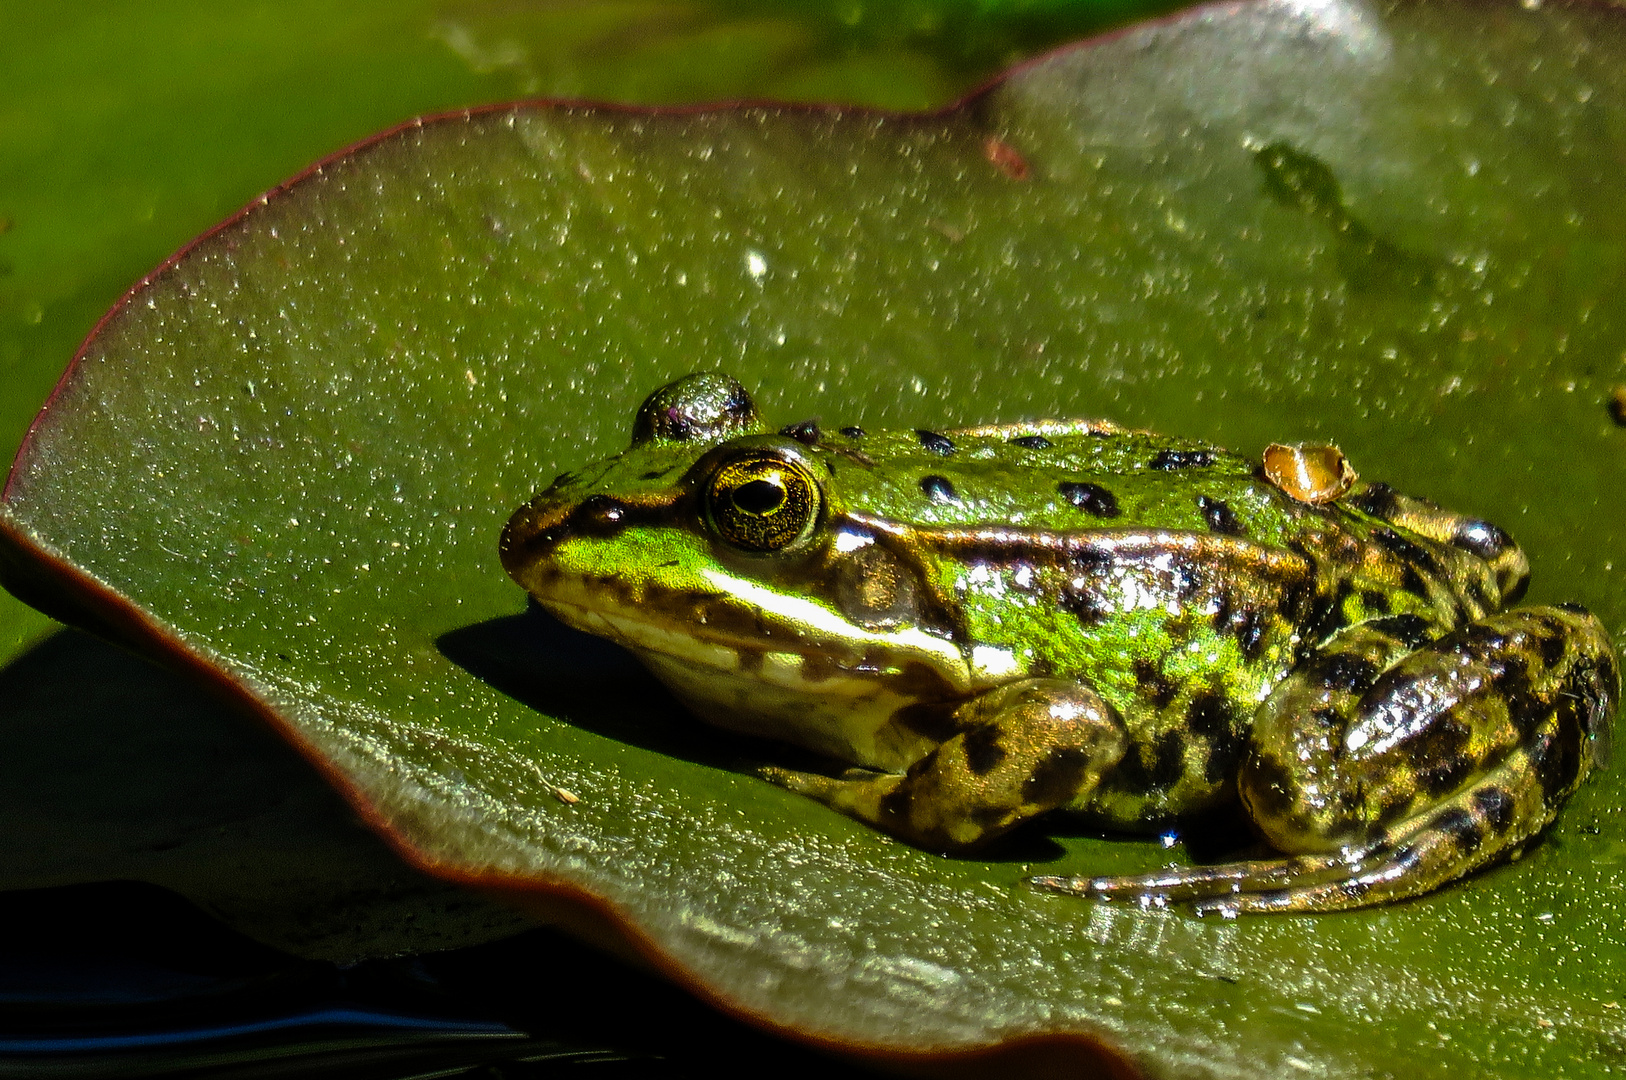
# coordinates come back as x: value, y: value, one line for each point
x: 1313, y: 473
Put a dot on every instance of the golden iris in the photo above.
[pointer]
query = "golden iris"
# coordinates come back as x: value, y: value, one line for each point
x: 762, y: 503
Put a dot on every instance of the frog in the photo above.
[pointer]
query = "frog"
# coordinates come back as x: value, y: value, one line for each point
x: 972, y: 629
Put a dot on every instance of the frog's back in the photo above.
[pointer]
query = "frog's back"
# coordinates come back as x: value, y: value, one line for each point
x: 1050, y: 476
x: 1172, y: 576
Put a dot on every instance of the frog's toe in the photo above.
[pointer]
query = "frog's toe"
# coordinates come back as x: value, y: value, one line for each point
x: 1203, y: 884
x: 813, y: 785
x: 1332, y: 883
x: 1355, y: 879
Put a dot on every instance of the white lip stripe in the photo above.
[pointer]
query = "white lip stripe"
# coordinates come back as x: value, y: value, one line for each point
x: 794, y: 609
x: 637, y: 627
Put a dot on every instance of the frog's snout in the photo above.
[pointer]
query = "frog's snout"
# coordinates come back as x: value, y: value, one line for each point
x: 536, y: 529
x: 531, y: 533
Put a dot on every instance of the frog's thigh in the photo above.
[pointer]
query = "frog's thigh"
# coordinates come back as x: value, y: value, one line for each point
x: 1021, y: 749
x: 1385, y: 773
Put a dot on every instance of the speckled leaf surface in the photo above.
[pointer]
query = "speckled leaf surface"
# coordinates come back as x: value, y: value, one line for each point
x: 285, y: 459
x: 121, y: 138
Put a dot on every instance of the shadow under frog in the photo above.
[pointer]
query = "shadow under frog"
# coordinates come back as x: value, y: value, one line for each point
x: 585, y: 681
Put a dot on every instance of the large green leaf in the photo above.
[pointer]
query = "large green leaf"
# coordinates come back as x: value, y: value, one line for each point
x: 284, y: 461
x: 119, y: 139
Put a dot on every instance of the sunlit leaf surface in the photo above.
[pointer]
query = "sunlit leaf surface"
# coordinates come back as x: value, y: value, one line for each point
x: 286, y: 459
x: 120, y: 138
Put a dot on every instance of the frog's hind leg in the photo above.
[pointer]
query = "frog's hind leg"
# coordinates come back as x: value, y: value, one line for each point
x: 1384, y: 772
x: 1501, y: 557
x: 1462, y: 833
x: 1491, y: 818
x: 1019, y: 750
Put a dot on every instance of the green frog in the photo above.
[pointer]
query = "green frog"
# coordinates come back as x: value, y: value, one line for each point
x: 982, y: 626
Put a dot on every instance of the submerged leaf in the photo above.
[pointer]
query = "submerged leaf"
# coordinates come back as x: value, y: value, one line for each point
x: 286, y: 458
x: 117, y: 771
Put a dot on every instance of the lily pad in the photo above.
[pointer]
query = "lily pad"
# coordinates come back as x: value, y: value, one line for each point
x: 283, y: 462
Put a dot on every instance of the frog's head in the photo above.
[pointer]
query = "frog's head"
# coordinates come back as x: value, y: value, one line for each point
x: 722, y: 554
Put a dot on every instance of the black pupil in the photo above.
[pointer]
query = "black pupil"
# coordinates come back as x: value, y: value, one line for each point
x: 759, y: 497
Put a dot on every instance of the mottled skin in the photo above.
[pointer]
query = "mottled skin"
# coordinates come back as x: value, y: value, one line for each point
x: 994, y: 623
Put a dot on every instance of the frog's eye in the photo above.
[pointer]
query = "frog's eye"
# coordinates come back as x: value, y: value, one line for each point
x: 762, y: 503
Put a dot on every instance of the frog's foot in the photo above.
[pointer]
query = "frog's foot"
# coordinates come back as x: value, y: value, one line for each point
x: 1020, y: 750
x: 1427, y: 852
x: 1208, y: 885
x: 1384, y: 771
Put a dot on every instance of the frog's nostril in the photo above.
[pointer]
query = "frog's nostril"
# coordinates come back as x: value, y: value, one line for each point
x: 599, y: 515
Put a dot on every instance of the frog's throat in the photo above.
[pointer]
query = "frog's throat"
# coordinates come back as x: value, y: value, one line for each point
x: 847, y: 719
x: 836, y: 697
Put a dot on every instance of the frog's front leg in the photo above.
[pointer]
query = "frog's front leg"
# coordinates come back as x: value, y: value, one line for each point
x: 1020, y: 750
x: 1384, y: 770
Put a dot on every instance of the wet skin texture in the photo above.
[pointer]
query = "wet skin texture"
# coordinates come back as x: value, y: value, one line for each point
x: 991, y: 624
